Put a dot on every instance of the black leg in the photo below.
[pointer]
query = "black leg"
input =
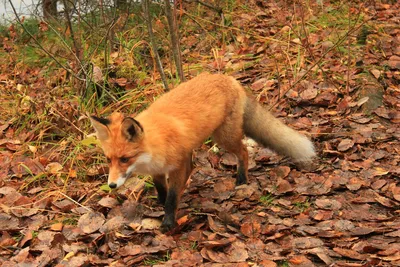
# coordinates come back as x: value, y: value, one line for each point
x: 241, y: 177
x: 171, y: 204
x: 161, y: 192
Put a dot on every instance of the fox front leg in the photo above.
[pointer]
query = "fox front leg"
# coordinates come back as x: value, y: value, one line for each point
x: 176, y: 185
x: 161, y: 186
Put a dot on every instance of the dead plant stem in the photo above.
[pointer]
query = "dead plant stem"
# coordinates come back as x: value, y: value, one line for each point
x: 40, y: 46
x: 146, y: 11
x: 174, y: 32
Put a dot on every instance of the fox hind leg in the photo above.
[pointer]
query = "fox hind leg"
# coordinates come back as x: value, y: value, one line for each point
x: 229, y: 136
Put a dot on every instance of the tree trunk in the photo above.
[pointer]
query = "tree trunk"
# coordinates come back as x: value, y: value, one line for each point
x: 49, y: 8
x: 173, y: 32
x: 146, y: 11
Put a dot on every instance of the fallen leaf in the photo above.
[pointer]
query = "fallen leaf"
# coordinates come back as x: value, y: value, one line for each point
x: 91, y: 222
x: 108, y: 202
x: 131, y: 250
x: 307, y: 242
x: 56, y: 227
x: 53, y: 168
x: 345, y: 144
x: 151, y: 223
x: 376, y: 73
x: 349, y: 253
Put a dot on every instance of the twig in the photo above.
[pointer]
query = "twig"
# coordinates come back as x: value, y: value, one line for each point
x: 215, y: 8
x: 250, y: 33
x: 348, y: 55
x: 342, y: 39
x: 40, y: 46
x: 145, y: 6
x: 76, y: 202
x: 69, y: 23
x: 173, y: 32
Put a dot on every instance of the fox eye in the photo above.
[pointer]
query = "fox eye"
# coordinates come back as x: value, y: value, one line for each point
x: 124, y: 159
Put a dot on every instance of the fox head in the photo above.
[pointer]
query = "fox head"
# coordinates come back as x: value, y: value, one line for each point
x: 122, y: 140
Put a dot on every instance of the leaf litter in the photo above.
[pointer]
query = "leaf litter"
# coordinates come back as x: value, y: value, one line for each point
x: 345, y: 212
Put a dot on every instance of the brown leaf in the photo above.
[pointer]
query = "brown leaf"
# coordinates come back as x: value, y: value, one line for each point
x: 279, y: 172
x: 394, y: 62
x: 309, y: 93
x: 349, y: 253
x: 251, y: 229
x: 130, y: 250
x: 108, y: 202
x: 322, y: 253
x: 54, y: 167
x: 345, y: 144
x: 97, y: 74
x: 23, y: 166
x: 113, y: 224
x: 321, y: 215
x: 259, y: 84
x: 237, y: 252
x: 354, y: 184
x: 393, y: 234
x: 360, y: 231
x: 213, y: 225
x: 378, y: 171
x: 56, y: 227
x: 307, y: 242
x: 387, y: 202
x: 268, y: 263
x: 300, y: 260
x: 6, y: 240
x: 27, y: 237
x: 378, y: 184
x: 283, y: 187
x: 151, y: 223
x: 328, y: 204
x: 91, y: 222
x: 22, y: 256
x: 187, y: 258
x: 64, y: 205
x: 161, y: 243
x: 244, y: 191
x: 376, y: 73
x: 229, y: 159
x: 396, y: 193
x: 47, y: 256
x: 219, y: 243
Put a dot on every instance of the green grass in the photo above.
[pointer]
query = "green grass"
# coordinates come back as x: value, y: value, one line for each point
x: 153, y: 260
x: 302, y: 206
x: 283, y: 264
x: 73, y: 220
x: 267, y: 199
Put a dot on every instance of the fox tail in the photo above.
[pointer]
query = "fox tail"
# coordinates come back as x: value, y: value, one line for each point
x: 264, y: 128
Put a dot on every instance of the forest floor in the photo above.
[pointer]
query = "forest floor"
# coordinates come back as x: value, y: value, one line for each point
x: 331, y: 72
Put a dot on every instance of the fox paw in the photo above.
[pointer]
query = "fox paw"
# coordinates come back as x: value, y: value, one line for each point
x: 241, y: 180
x: 167, y: 226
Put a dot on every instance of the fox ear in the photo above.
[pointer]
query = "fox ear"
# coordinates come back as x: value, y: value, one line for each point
x: 100, y: 125
x: 131, y: 129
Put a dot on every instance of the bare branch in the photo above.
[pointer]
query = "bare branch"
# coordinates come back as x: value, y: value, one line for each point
x: 40, y: 46
x: 173, y: 31
x: 146, y: 11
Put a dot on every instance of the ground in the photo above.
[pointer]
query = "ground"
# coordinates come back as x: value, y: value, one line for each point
x: 330, y: 71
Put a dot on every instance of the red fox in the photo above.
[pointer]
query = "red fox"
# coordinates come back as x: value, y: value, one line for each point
x: 159, y: 141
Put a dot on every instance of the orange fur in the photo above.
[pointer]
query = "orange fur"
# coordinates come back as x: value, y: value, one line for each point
x: 160, y: 140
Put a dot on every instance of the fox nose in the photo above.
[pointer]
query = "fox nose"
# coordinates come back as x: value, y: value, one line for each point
x: 112, y: 185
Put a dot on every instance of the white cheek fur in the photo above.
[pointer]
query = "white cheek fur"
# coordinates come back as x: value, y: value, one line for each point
x: 147, y: 164
x: 144, y: 159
